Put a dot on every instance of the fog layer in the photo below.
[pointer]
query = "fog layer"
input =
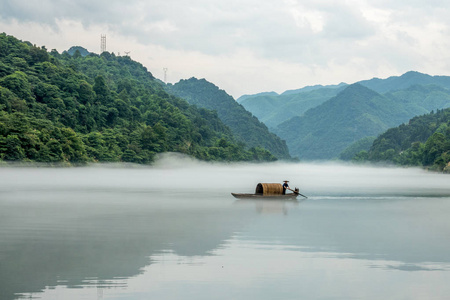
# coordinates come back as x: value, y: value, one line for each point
x: 178, y: 174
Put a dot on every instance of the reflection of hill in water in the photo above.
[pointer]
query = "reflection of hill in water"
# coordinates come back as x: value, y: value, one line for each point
x: 43, y: 242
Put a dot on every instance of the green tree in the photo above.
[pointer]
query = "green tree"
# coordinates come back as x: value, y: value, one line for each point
x: 18, y: 84
x: 11, y: 148
x: 86, y: 93
x: 101, y: 89
x: 434, y: 147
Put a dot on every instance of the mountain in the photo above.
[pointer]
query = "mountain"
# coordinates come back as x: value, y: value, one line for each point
x: 245, y: 127
x: 244, y: 97
x: 60, y: 108
x: 405, y: 81
x: 423, y: 141
x: 323, y: 132
x: 272, y: 110
x: 314, y: 87
x: 83, y: 52
x: 363, y: 144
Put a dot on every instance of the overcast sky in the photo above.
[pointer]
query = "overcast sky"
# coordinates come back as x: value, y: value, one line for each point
x: 248, y: 46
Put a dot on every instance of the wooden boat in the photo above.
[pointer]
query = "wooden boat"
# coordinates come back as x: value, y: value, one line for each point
x: 289, y: 196
x: 268, y: 191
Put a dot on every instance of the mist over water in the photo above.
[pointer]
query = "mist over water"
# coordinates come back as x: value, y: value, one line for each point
x: 173, y: 230
x: 177, y: 173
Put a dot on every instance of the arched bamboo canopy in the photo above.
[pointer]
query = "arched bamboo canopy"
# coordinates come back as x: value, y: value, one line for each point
x: 269, y: 189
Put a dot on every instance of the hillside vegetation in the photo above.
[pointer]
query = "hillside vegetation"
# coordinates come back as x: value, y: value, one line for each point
x: 75, y: 109
x: 357, y: 112
x: 245, y: 127
x: 423, y: 141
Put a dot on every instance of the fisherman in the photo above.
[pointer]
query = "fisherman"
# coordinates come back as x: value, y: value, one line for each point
x: 285, y: 186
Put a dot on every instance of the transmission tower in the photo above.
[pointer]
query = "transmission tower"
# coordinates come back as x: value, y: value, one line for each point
x: 165, y: 75
x: 103, y: 43
x: 126, y: 53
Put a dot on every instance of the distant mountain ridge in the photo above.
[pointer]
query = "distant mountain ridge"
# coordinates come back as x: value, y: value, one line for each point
x: 273, y: 109
x: 244, y: 97
x: 405, y: 81
x: 314, y: 87
x: 323, y: 132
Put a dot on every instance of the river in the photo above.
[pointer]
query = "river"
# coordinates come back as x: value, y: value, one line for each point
x: 173, y: 231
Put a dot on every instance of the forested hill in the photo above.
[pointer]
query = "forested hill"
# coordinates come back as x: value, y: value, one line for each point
x: 357, y: 112
x: 246, y: 128
x: 75, y: 109
x: 324, y: 131
x: 424, y: 141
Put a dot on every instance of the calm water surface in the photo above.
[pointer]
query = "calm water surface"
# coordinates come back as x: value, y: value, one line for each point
x: 173, y: 231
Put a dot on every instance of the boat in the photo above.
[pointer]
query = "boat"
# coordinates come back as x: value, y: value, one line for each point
x: 289, y: 196
x: 269, y: 191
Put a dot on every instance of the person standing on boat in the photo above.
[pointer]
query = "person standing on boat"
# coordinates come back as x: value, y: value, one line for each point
x: 285, y: 186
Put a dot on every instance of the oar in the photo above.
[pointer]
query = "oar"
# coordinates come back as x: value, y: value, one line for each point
x: 298, y: 193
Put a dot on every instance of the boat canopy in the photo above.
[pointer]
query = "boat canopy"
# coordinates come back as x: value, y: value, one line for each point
x: 269, y: 189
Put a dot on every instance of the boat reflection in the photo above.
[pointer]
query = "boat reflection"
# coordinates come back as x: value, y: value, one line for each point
x: 270, y: 206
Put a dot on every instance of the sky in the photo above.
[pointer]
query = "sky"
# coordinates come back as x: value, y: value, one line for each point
x: 248, y: 46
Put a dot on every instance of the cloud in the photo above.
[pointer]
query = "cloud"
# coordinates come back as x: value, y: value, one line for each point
x: 211, y: 27
x: 291, y: 42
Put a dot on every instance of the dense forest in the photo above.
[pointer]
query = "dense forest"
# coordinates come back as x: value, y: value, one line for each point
x: 245, y: 127
x: 424, y: 141
x: 63, y: 108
